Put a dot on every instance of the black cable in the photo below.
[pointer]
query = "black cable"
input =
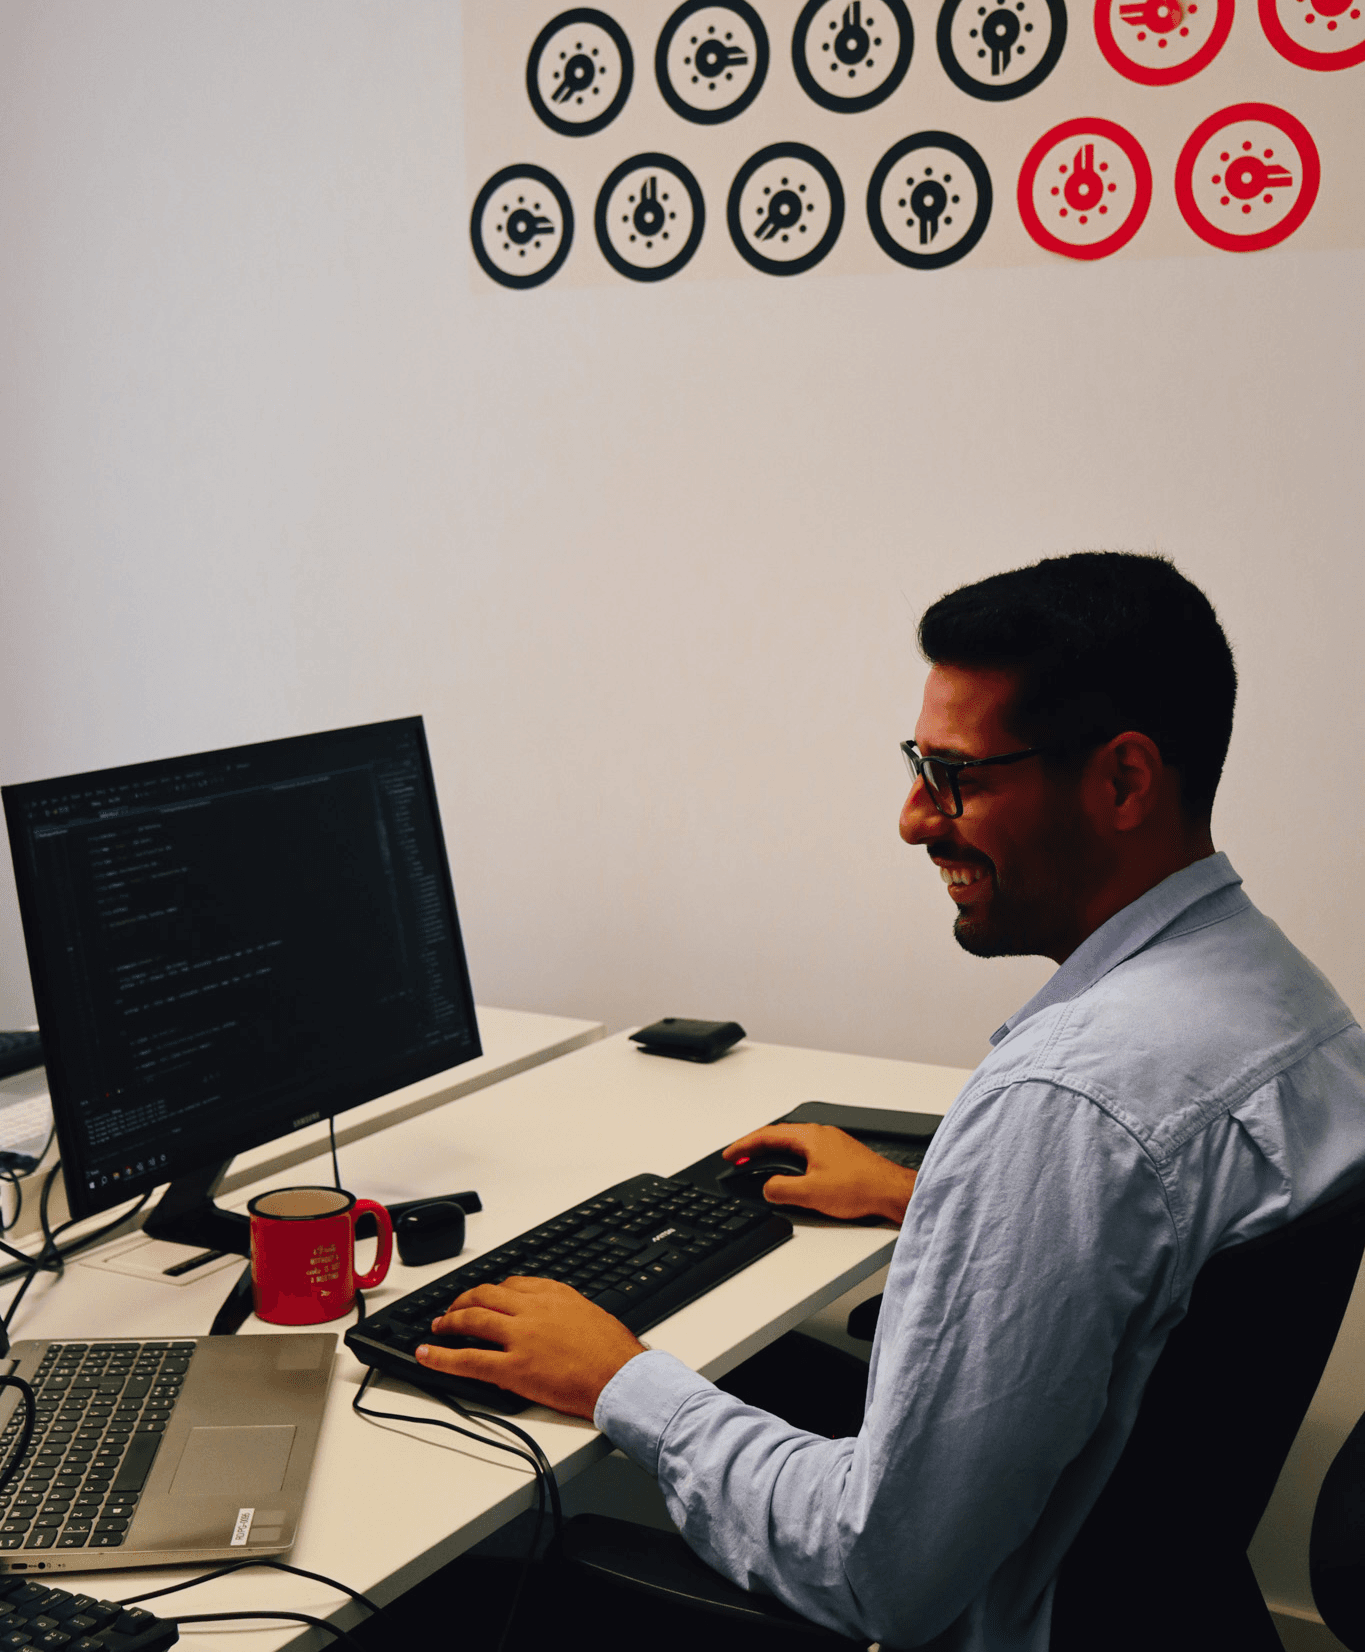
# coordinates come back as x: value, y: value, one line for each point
x: 51, y: 1234
x: 12, y: 1178
x: 288, y: 1617
x: 239, y: 1565
x: 539, y: 1463
x: 52, y: 1257
x: 545, y: 1480
x: 543, y: 1462
x: 439, y: 1422
x: 26, y: 1433
x: 51, y: 1137
x: 336, y: 1164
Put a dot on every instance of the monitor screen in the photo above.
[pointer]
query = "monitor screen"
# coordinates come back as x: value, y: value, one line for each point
x: 227, y: 947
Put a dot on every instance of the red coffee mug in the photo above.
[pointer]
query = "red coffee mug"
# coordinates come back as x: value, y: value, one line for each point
x: 303, y: 1253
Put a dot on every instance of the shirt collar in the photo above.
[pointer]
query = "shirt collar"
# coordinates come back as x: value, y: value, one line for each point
x: 1127, y: 932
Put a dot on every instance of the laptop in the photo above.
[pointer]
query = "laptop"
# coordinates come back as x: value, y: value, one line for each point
x: 160, y: 1451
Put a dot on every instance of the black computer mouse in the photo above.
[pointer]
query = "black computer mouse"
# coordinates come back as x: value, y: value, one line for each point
x: 746, y: 1176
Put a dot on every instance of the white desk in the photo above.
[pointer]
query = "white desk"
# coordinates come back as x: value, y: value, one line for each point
x: 512, y: 1040
x: 390, y: 1503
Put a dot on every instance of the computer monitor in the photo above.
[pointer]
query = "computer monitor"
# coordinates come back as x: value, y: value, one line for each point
x: 228, y: 947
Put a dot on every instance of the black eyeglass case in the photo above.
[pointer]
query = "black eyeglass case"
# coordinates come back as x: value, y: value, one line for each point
x: 688, y: 1040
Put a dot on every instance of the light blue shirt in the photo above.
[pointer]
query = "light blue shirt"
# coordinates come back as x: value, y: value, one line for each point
x: 1186, y: 1080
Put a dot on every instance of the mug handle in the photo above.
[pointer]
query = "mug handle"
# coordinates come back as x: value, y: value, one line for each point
x: 383, y: 1256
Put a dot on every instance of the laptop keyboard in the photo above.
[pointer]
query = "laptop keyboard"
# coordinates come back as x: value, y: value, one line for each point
x: 102, y: 1410
x: 641, y: 1250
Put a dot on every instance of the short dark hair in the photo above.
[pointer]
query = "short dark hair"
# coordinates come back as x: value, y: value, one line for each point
x: 1100, y: 642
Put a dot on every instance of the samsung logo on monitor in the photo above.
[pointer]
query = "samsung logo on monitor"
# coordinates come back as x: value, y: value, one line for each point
x: 308, y: 1118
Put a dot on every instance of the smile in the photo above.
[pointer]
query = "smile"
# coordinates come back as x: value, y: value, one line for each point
x: 959, y: 875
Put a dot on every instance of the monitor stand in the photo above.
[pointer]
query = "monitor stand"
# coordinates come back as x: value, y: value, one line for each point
x: 185, y: 1214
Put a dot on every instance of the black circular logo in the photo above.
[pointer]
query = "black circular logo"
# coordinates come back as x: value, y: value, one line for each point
x: 929, y: 200
x: 786, y: 208
x: 712, y: 60
x: 650, y: 217
x: 579, y: 73
x: 521, y: 226
x: 850, y: 55
x: 998, y: 49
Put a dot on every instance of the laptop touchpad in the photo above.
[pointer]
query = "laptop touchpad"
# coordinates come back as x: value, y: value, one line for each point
x: 233, y: 1461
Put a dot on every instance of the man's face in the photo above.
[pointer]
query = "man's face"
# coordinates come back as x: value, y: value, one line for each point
x: 1022, y: 857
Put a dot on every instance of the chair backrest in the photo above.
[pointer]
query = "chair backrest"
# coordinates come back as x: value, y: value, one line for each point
x: 1336, y: 1549
x: 1161, y: 1559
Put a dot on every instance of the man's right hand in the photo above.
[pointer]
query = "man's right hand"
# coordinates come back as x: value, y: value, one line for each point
x: 843, y: 1178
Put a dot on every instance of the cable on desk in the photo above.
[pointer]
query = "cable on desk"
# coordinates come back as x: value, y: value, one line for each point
x: 288, y: 1617
x: 336, y: 1163
x: 52, y: 1257
x: 539, y: 1463
x: 12, y: 1177
x: 240, y: 1565
x: 17, y: 1174
x: 26, y: 1433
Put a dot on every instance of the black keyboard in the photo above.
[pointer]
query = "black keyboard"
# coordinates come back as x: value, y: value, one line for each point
x: 102, y: 1409
x: 19, y: 1051
x: 37, y: 1618
x: 641, y: 1250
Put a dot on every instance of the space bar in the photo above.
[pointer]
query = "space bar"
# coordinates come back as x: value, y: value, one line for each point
x: 136, y: 1463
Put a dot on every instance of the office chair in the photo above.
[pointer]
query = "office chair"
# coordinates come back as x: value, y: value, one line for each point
x: 1161, y: 1559
x: 1336, y: 1548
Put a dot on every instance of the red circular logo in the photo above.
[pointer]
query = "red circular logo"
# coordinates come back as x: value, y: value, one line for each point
x: 1247, y: 177
x: 1084, y: 188
x: 1316, y: 34
x: 1158, y: 42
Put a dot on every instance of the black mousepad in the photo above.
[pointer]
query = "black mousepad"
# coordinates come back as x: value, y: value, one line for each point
x: 900, y: 1137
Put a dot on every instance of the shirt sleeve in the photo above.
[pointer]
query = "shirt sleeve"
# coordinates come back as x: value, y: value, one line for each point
x: 1037, y: 1251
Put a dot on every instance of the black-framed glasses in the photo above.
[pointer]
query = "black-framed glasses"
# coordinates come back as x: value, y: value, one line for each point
x: 940, y: 776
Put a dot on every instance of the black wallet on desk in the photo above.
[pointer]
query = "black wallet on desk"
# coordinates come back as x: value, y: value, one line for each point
x: 687, y: 1040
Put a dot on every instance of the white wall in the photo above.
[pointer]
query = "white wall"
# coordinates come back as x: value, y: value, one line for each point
x: 648, y: 559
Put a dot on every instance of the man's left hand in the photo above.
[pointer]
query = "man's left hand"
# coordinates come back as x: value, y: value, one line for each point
x: 554, y: 1346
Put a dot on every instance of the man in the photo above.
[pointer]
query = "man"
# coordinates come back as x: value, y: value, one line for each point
x: 1185, y: 1081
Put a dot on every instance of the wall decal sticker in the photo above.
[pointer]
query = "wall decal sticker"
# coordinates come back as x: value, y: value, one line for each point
x: 579, y: 73
x: 922, y: 146
x: 929, y: 200
x: 522, y: 226
x: 786, y: 209
x: 1160, y: 42
x: 1247, y: 177
x: 1000, y: 48
x: 1084, y: 188
x: 650, y: 217
x: 712, y: 60
x: 850, y: 55
x: 1316, y: 34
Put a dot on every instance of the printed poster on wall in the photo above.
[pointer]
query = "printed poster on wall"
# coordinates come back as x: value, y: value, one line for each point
x: 649, y: 142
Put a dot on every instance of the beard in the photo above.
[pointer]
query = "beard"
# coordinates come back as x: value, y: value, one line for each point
x: 1029, y: 913
x: 1010, y: 929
